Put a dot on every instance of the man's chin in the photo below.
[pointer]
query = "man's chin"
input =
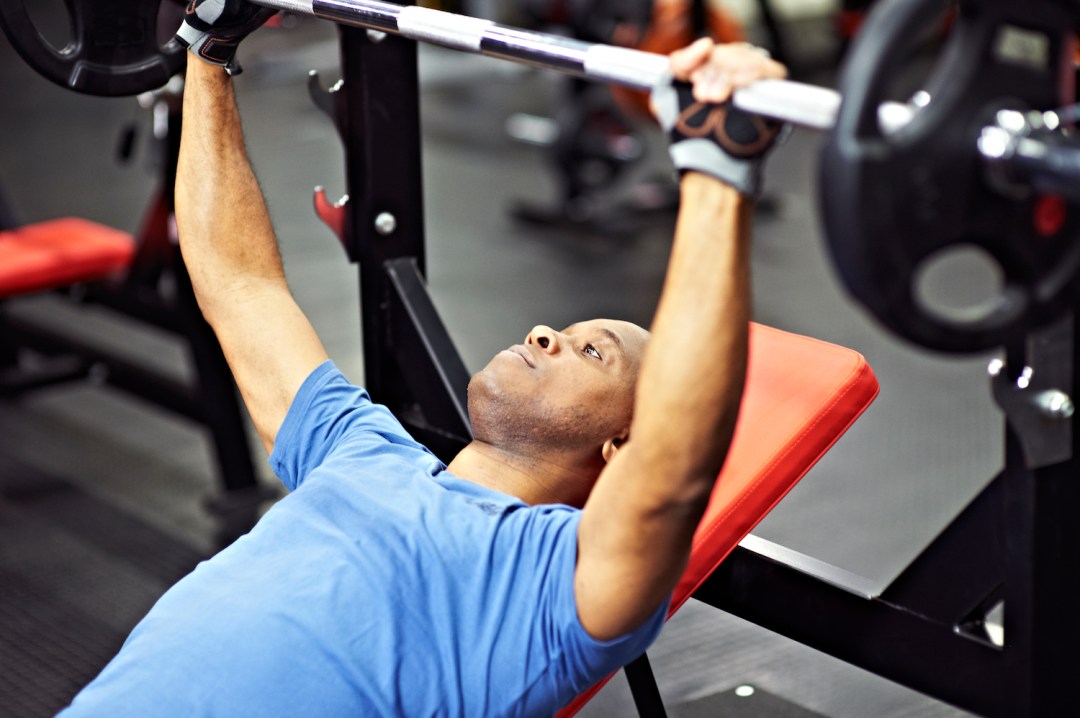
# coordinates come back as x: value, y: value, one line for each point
x: 485, y: 391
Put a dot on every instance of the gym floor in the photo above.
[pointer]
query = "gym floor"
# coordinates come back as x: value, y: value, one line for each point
x: 79, y: 462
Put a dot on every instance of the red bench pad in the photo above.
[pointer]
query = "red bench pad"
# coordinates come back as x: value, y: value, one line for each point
x: 801, y: 395
x: 60, y: 252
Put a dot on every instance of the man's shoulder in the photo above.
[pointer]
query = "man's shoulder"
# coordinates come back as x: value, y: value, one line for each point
x: 332, y: 418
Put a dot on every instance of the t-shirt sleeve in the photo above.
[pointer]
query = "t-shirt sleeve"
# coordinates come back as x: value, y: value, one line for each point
x: 584, y: 658
x: 326, y: 410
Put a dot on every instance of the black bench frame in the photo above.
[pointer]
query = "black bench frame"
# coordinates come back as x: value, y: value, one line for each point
x: 210, y: 398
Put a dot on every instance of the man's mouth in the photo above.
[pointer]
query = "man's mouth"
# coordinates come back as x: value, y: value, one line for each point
x: 524, y: 353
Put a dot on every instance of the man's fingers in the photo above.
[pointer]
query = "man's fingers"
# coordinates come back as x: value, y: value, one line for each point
x: 716, y: 89
x: 749, y: 60
x: 716, y: 71
x: 690, y: 58
x: 774, y: 70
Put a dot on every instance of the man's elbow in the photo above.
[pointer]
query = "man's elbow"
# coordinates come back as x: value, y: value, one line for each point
x: 222, y: 300
x: 212, y: 301
x: 691, y: 452
x: 683, y: 479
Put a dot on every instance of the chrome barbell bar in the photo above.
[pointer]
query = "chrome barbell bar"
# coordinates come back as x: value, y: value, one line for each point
x: 793, y: 102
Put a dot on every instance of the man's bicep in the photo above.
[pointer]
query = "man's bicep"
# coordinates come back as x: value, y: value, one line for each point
x: 633, y: 544
x: 271, y: 348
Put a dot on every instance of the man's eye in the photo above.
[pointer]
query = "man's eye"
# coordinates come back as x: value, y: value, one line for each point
x: 590, y: 349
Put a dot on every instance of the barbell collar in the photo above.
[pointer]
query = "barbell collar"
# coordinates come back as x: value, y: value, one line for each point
x: 793, y: 102
x: 1027, y: 151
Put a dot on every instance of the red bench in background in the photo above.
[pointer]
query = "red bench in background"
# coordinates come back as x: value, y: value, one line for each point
x: 60, y: 252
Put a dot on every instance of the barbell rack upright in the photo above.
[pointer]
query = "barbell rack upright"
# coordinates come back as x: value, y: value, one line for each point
x: 794, y: 102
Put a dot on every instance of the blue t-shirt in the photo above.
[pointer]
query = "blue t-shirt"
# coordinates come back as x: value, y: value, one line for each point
x: 382, y: 585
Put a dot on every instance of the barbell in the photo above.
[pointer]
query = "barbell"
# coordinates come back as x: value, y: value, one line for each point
x: 977, y: 158
x: 113, y: 56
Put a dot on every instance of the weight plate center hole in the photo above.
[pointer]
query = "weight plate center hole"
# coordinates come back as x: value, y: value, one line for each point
x: 52, y: 21
x: 962, y: 284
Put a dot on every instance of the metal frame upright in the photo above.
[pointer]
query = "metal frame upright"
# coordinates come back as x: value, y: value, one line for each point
x: 155, y: 290
x: 410, y: 362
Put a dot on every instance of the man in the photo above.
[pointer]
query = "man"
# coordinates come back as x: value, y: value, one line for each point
x: 388, y: 584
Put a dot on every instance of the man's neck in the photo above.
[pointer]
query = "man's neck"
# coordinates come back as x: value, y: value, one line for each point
x: 547, y: 480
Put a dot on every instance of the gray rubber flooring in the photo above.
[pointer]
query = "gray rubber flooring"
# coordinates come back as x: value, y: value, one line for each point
x: 929, y: 443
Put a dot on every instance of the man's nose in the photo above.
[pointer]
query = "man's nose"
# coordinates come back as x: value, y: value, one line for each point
x: 544, y: 337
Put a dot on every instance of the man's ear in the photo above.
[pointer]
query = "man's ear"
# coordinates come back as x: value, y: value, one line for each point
x: 612, y: 446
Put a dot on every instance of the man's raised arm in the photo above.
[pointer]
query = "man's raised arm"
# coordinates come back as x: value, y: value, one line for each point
x: 232, y: 256
x: 635, y: 534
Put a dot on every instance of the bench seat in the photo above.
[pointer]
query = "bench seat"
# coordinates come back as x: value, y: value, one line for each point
x: 801, y: 395
x: 60, y: 252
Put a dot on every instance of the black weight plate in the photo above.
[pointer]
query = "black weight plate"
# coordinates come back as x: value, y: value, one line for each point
x: 889, y: 202
x: 114, y: 48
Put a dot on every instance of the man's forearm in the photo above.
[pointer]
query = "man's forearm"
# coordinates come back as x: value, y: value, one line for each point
x: 635, y: 535
x: 232, y: 256
x: 693, y: 373
x: 225, y: 232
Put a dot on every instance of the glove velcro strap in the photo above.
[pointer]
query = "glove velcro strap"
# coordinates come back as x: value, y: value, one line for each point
x: 218, y: 50
x: 212, y: 29
x: 188, y: 35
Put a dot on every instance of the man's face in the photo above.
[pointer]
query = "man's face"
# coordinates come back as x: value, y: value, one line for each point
x: 567, y: 389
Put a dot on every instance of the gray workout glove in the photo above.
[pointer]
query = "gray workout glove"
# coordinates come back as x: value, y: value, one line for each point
x: 212, y: 29
x: 719, y: 140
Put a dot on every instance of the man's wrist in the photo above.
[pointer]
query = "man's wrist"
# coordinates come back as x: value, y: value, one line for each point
x: 704, y: 184
x: 204, y: 69
x: 212, y: 78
